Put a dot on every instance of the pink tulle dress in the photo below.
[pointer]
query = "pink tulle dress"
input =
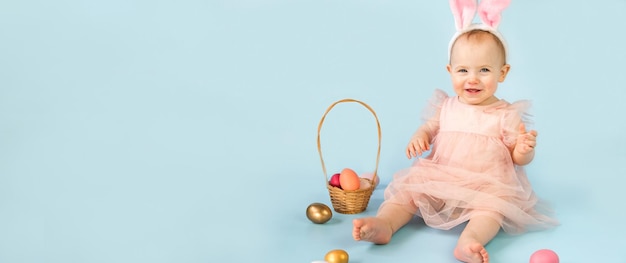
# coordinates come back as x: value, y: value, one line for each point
x: 469, y: 170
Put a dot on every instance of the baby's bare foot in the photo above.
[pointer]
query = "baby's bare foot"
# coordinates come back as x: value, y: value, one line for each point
x: 372, y: 229
x: 471, y: 253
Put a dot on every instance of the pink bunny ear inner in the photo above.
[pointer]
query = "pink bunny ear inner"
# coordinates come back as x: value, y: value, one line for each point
x: 490, y: 11
x: 463, y: 12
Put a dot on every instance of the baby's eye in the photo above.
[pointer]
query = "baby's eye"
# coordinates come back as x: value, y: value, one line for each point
x: 484, y: 70
x: 462, y: 71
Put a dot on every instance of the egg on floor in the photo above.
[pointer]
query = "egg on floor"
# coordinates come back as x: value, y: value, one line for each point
x: 544, y: 256
x: 337, y: 256
x: 318, y: 213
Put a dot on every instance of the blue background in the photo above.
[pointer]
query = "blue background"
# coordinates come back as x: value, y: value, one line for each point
x: 184, y: 131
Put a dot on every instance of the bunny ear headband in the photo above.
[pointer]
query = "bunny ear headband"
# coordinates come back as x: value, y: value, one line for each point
x: 489, y: 12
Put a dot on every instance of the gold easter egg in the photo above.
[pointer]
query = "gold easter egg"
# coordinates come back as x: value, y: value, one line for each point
x: 318, y: 213
x: 336, y: 256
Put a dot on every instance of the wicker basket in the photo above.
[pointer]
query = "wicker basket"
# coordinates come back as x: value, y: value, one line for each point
x: 343, y: 201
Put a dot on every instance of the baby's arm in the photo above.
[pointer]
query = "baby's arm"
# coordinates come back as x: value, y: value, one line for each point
x: 524, y: 150
x: 421, y: 139
x: 419, y: 143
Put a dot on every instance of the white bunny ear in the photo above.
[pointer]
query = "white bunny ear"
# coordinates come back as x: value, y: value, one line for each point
x: 490, y: 11
x: 463, y: 12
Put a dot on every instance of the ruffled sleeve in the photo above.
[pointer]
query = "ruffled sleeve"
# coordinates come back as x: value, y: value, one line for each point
x: 430, y: 114
x: 515, y: 114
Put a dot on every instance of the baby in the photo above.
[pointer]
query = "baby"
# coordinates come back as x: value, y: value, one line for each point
x: 478, y: 145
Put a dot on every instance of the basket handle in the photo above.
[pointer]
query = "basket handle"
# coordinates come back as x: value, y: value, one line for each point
x: 319, y: 129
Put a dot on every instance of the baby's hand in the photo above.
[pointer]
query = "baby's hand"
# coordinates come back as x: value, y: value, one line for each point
x: 419, y: 144
x: 526, y: 141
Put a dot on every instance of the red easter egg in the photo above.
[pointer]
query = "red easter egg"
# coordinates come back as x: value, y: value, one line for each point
x: 334, y: 180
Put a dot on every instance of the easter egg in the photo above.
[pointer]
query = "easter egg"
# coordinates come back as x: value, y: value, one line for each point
x: 336, y: 256
x: 365, y: 184
x: 334, y: 180
x: 318, y: 213
x: 370, y: 176
x: 544, y: 256
x: 349, y: 180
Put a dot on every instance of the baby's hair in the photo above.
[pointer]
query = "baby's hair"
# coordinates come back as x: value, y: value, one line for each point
x: 480, y: 35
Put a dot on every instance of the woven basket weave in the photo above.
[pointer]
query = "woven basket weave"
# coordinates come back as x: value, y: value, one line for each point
x: 343, y: 201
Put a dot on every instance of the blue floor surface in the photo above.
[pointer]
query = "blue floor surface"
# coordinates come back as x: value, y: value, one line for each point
x: 184, y: 131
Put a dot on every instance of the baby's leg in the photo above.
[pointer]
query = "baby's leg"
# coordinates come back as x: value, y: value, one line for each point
x: 478, y: 232
x: 380, y: 228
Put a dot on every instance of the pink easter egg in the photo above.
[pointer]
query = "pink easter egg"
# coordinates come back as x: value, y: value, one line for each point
x: 544, y: 256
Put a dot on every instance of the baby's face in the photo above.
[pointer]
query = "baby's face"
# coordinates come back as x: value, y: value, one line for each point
x: 476, y: 66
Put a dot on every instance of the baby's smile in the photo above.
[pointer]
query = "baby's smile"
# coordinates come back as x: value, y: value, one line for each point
x: 472, y: 90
